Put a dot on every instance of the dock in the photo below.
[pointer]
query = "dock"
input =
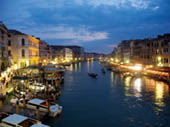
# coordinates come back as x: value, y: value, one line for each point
x: 23, y: 111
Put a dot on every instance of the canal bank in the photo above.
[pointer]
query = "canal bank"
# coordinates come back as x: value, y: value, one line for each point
x: 111, y: 100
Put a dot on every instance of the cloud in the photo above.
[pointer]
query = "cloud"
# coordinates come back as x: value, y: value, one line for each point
x: 76, y: 34
x: 138, y: 4
x: 155, y: 8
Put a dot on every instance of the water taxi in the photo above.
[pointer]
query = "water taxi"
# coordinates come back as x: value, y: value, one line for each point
x: 43, y: 105
x: 16, y: 120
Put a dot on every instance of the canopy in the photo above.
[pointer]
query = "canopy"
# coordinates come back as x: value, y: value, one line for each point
x: 39, y: 125
x: 36, y: 101
x: 14, y: 119
x: 53, y: 70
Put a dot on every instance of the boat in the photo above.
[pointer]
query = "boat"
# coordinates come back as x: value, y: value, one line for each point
x: 94, y: 75
x: 16, y: 120
x: 44, y: 106
x: 103, y: 71
x: 3, y: 115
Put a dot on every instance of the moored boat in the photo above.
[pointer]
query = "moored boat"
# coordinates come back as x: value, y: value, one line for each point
x: 16, y: 120
x: 44, y: 106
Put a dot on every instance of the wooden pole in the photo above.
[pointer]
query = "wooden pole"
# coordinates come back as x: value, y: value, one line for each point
x: 37, y: 113
x: 17, y: 107
x: 48, y: 104
x: 6, y: 97
x: 24, y: 101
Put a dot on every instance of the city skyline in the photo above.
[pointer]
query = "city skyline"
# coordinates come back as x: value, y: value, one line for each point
x: 96, y: 25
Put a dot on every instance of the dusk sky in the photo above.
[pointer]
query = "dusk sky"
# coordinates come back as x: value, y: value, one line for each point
x: 97, y: 25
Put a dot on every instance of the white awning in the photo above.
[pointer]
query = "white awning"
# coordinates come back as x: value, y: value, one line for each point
x: 36, y: 101
x: 39, y: 125
x: 14, y: 119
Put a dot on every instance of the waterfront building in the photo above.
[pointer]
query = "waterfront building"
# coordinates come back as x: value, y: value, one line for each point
x: 68, y: 54
x: 160, y: 50
x: 24, y: 49
x: 155, y: 51
x: 5, y: 39
x: 43, y: 52
x: 93, y: 56
x: 77, y: 51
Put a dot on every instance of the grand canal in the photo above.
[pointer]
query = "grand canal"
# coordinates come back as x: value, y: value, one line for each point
x: 111, y: 100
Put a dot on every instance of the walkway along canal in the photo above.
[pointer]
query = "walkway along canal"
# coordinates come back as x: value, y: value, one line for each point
x: 111, y: 100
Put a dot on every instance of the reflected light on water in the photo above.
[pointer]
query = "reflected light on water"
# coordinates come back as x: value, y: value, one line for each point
x: 137, y: 87
x: 79, y: 66
x: 127, y: 81
x: 160, y: 90
x: 127, y: 85
x: 88, y: 66
x: 159, y: 94
x: 75, y: 65
x: 111, y: 77
x: 71, y: 67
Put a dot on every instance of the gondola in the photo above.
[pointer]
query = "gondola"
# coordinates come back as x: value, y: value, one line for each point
x: 94, y: 75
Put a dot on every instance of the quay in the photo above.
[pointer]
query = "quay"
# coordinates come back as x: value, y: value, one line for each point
x: 161, y: 73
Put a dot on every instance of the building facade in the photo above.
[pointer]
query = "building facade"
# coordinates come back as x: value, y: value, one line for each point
x: 24, y: 49
x: 5, y: 38
x: 155, y: 51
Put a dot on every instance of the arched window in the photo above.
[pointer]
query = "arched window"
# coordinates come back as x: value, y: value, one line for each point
x: 23, y: 42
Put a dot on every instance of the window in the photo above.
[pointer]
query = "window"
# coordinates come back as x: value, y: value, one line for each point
x: 9, y: 42
x: 165, y: 50
x: 23, y: 42
x: 23, y: 53
x: 9, y: 53
x: 9, y: 35
x: 165, y: 60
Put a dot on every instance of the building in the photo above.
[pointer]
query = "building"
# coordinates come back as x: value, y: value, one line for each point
x: 160, y: 50
x: 77, y: 51
x: 24, y: 49
x: 43, y: 52
x: 155, y: 51
x: 5, y: 39
x: 66, y: 55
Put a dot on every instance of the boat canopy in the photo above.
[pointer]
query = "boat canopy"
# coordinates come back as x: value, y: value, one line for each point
x: 53, y: 70
x: 39, y: 125
x: 36, y: 101
x: 14, y: 119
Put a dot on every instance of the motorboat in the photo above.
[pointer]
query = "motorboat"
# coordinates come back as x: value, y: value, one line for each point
x: 44, y: 106
x: 94, y: 75
x: 16, y: 120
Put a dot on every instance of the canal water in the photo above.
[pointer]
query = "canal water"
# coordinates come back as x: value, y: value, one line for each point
x: 111, y: 100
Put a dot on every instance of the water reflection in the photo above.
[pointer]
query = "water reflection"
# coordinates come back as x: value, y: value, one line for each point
x: 79, y: 66
x: 127, y: 100
x: 71, y: 67
x: 159, y: 89
x: 75, y: 66
x: 111, y: 77
x: 137, y: 87
x: 127, y: 82
x: 88, y: 66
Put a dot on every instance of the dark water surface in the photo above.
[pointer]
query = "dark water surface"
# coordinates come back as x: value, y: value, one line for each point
x: 111, y: 100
